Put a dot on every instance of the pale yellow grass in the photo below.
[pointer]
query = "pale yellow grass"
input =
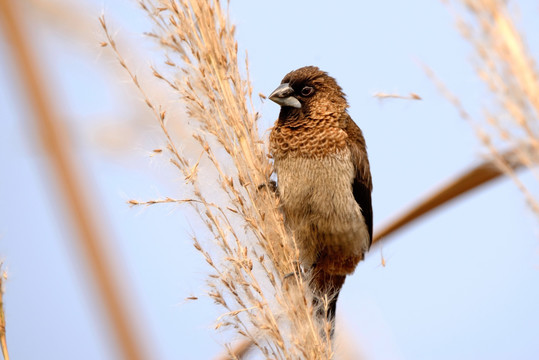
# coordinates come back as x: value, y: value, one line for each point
x: 68, y: 175
x: 507, y: 68
x: 3, y: 341
x: 253, y: 259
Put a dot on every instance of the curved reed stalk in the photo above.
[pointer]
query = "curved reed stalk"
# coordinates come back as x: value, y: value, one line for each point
x: 3, y: 341
x: 55, y: 142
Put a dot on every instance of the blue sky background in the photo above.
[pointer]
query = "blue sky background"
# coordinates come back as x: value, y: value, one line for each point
x: 460, y: 284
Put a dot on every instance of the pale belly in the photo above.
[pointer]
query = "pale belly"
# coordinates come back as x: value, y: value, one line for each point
x: 321, y: 212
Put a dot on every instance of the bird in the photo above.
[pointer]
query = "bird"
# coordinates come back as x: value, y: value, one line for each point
x: 324, y: 182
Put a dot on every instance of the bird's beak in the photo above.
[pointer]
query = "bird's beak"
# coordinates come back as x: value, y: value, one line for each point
x: 284, y: 96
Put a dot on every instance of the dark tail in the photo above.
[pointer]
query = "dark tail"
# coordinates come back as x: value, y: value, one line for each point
x: 324, y: 284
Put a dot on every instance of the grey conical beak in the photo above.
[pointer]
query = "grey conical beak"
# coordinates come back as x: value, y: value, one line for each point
x: 284, y: 96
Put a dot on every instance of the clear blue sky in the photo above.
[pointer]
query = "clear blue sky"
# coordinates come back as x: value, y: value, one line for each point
x: 460, y: 284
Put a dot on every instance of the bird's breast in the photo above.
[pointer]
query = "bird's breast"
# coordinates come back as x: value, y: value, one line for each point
x: 320, y: 209
x: 318, y: 186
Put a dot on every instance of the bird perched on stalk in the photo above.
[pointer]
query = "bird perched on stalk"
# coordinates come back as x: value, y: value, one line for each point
x: 323, y: 180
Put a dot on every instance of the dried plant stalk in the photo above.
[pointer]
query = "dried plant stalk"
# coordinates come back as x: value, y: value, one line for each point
x: 384, y: 95
x: 3, y: 341
x: 505, y: 65
x: 469, y: 180
x: 255, y: 276
x: 68, y: 176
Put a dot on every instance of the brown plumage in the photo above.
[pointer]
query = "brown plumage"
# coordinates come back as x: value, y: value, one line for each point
x: 323, y: 179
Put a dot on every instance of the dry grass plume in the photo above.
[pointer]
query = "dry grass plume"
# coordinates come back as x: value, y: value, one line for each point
x: 505, y: 65
x: 254, y: 273
x: 3, y: 341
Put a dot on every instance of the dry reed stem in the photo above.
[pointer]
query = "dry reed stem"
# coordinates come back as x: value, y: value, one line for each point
x: 383, y: 95
x: 254, y: 251
x: 55, y: 142
x: 238, y: 351
x: 508, y: 70
x: 3, y: 341
x: 460, y: 185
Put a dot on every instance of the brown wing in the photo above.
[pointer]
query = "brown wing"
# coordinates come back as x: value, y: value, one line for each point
x: 362, y: 184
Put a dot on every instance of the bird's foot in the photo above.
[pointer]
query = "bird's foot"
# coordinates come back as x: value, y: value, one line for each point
x: 298, y: 271
x: 270, y: 185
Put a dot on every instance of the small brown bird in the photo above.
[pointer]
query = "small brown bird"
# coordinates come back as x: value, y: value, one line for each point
x: 323, y: 179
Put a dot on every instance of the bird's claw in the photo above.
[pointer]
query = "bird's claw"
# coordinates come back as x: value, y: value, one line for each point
x: 271, y: 185
x: 298, y: 271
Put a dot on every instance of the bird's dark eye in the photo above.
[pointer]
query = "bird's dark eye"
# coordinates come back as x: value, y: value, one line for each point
x: 307, y: 90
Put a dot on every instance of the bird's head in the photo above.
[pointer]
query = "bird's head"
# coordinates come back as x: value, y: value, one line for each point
x: 310, y: 92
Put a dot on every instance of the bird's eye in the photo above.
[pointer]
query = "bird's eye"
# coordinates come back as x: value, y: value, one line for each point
x: 307, y: 90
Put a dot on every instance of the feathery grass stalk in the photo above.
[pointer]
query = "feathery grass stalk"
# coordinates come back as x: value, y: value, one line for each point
x: 508, y: 70
x: 383, y: 96
x: 254, y: 253
x: 238, y: 351
x: 3, y: 341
